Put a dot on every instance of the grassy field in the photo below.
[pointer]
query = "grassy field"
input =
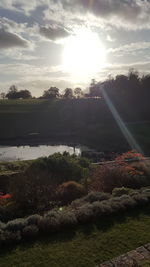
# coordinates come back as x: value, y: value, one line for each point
x: 84, y: 121
x: 87, y: 246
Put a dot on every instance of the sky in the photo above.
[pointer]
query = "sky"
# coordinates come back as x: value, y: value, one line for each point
x: 66, y: 43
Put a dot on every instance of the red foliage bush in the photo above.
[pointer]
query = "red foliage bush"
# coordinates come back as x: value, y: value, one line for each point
x: 4, y: 199
x: 121, y: 173
x: 6, y: 196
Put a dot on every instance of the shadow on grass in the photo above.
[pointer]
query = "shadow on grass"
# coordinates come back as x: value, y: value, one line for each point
x: 101, y: 224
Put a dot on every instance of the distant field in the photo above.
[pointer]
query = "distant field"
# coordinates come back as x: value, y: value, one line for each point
x: 87, y: 246
x: 85, y: 121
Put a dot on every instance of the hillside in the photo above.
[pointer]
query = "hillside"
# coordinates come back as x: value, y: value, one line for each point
x: 85, y: 121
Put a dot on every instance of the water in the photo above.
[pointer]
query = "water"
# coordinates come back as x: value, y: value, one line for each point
x: 13, y: 153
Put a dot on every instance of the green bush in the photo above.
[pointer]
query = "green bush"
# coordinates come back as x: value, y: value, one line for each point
x: 68, y: 219
x: 85, y: 213
x: 42, y: 178
x: 50, y: 222
x: 96, y: 196
x: 117, y: 192
x: 33, y: 219
x: 54, y: 221
x: 16, y: 225
x: 61, y: 168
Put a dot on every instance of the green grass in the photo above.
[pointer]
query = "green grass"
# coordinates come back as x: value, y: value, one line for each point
x: 84, y: 121
x: 8, y: 168
x: 145, y: 264
x: 86, y: 246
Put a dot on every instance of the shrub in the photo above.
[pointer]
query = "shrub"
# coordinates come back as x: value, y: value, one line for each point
x: 68, y: 219
x: 127, y: 201
x: 77, y: 203
x: 107, y: 177
x: 30, y: 231
x: 16, y: 225
x: 116, y: 205
x: 69, y: 191
x: 120, y: 191
x: 106, y: 208
x: 61, y: 167
x: 50, y: 222
x: 42, y: 178
x: 146, y: 191
x: 33, y: 219
x: 96, y: 196
x: 2, y: 225
x: 85, y: 213
x: 140, y: 198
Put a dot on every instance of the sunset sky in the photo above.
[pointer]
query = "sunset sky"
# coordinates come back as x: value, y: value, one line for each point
x: 65, y: 43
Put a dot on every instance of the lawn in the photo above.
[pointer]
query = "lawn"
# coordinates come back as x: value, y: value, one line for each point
x: 84, y: 121
x: 88, y: 245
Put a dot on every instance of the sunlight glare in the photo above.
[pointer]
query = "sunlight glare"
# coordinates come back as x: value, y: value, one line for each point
x: 83, y: 54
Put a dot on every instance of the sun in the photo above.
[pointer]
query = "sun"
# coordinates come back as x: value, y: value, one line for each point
x: 83, y: 54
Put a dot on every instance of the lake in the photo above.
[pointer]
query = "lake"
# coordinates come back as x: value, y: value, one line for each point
x: 13, y: 153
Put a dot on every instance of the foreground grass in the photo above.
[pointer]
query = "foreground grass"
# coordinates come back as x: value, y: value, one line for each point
x: 88, y: 245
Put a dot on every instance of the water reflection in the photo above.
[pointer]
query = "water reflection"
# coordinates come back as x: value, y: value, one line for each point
x: 13, y: 153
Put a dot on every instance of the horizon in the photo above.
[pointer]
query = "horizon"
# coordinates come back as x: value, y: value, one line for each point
x: 66, y: 44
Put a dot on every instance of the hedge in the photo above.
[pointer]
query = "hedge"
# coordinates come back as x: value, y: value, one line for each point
x: 90, y: 209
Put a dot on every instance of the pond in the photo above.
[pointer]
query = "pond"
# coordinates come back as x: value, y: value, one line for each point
x: 13, y: 153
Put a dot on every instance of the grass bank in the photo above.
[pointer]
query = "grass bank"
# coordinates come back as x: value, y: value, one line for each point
x: 88, y: 245
x: 85, y: 121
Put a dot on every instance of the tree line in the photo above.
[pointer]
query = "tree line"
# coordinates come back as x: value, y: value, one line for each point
x: 122, y: 88
x: 52, y: 92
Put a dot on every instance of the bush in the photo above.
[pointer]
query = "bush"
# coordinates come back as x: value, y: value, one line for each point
x: 146, y: 191
x: 96, y: 196
x: 107, y: 177
x: 68, y: 219
x: 2, y: 225
x: 127, y: 201
x: 117, y: 192
x: 141, y: 199
x: 85, y: 213
x: 16, y: 225
x: 62, y: 168
x: 69, y: 191
x: 33, y: 219
x: 42, y: 178
x: 30, y: 231
x: 50, y: 222
x: 53, y: 221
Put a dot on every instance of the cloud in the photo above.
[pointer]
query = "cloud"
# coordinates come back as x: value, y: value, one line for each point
x: 8, y: 40
x: 130, y: 48
x: 127, y: 13
x: 54, y: 33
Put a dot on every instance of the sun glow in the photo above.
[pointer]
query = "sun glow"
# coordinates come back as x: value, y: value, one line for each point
x: 84, y: 54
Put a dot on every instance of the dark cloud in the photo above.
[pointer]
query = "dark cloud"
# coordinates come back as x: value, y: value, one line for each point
x: 128, y: 9
x: 9, y: 39
x: 53, y: 33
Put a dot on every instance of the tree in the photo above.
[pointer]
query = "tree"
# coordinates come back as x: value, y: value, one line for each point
x: 3, y: 95
x: 25, y: 94
x: 12, y: 93
x: 94, y: 89
x: 52, y: 92
x: 78, y: 92
x: 68, y: 93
